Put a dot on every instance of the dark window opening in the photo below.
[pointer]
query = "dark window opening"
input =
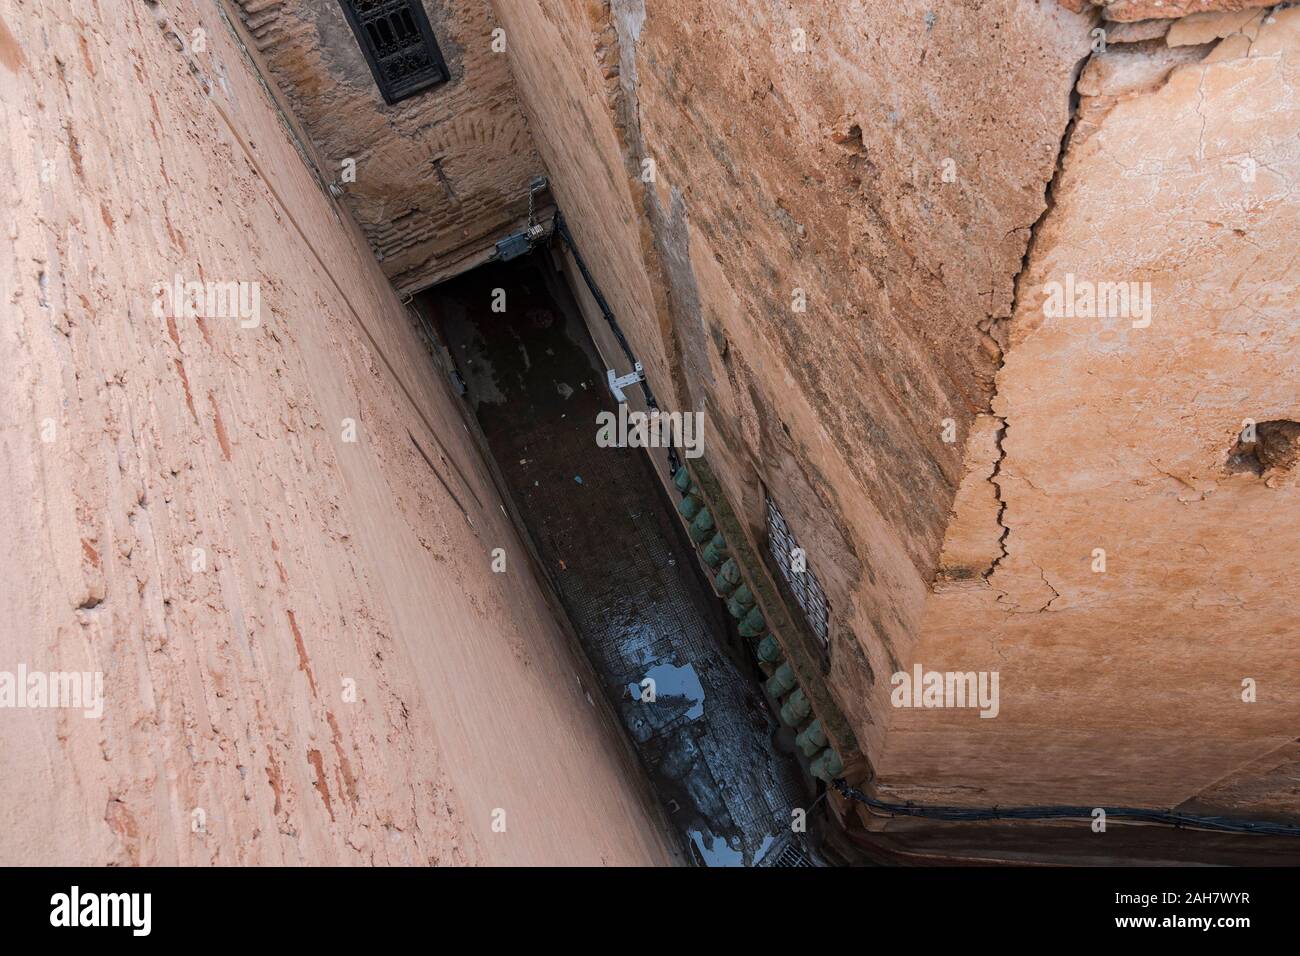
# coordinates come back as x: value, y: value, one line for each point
x: 398, y: 44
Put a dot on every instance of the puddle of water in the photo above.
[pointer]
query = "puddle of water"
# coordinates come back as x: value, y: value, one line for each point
x: 673, y: 681
x: 715, y: 851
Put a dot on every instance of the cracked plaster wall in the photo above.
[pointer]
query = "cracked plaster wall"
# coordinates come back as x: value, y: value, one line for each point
x: 820, y: 168
x: 1125, y: 686
x: 822, y: 171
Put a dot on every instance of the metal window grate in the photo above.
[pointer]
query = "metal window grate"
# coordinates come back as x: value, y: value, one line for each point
x: 803, y: 584
x: 399, y: 45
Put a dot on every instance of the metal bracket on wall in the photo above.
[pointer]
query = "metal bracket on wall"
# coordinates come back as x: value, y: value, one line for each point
x: 521, y: 243
x: 616, y: 385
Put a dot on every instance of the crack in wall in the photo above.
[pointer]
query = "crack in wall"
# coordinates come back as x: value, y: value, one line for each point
x: 995, y: 328
x: 993, y: 479
x: 1055, y: 593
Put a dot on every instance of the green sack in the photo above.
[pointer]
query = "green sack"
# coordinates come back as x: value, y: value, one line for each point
x: 796, y: 709
x: 728, y: 577
x: 701, y: 529
x: 715, y: 552
x: 811, y: 739
x: 753, y: 624
x: 769, y: 651
x: 782, y: 681
x: 735, y: 608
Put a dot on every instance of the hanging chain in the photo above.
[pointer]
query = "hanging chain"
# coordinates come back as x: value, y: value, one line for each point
x: 538, y: 185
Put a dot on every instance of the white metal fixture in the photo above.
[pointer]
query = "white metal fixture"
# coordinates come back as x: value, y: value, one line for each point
x: 616, y: 385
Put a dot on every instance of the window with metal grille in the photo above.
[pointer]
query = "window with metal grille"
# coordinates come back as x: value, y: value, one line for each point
x: 399, y: 45
x: 793, y: 562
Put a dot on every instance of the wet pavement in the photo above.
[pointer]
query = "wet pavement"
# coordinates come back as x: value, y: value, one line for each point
x: 622, y: 564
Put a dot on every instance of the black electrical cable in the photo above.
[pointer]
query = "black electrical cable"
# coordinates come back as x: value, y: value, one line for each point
x: 1166, y: 817
x: 562, y: 228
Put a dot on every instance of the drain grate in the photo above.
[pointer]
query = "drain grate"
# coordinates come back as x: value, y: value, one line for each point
x: 792, y: 855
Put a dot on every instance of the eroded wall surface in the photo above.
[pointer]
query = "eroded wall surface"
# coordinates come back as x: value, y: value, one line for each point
x: 439, y: 176
x: 273, y: 539
x: 888, y: 164
x: 1119, y: 556
x: 723, y: 165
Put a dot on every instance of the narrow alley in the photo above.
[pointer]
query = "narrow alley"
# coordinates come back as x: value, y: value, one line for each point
x: 619, y: 558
